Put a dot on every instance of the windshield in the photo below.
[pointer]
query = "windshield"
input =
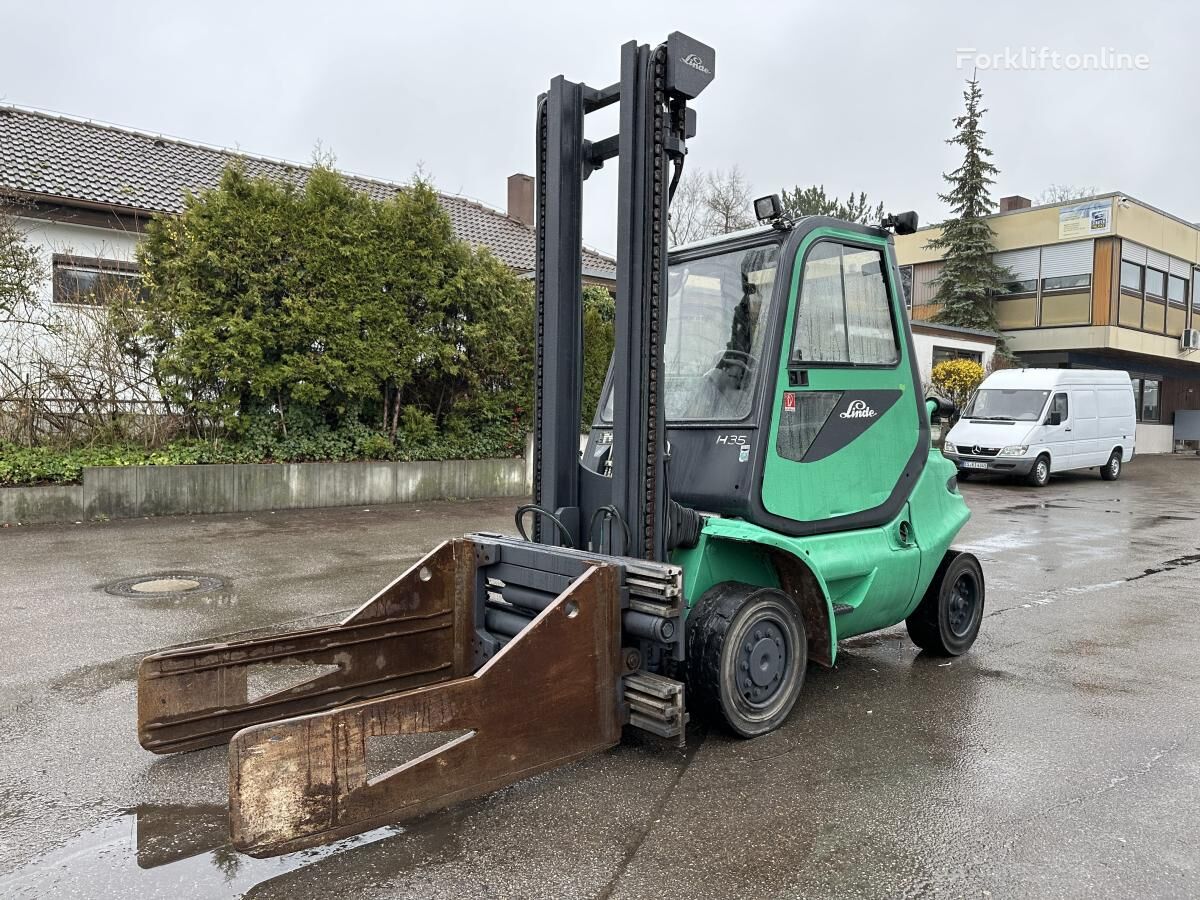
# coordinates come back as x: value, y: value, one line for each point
x: 716, y: 325
x: 992, y: 404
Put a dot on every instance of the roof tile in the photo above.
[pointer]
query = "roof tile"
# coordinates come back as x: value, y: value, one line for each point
x: 72, y: 159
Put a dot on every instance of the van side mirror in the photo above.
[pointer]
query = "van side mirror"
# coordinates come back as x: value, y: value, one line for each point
x: 1054, y: 418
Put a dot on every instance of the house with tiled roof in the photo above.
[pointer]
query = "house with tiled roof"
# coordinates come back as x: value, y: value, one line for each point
x: 110, y: 180
x: 85, y: 192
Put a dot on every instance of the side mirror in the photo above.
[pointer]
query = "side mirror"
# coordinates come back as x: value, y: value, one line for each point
x: 936, y: 406
x: 1055, y: 418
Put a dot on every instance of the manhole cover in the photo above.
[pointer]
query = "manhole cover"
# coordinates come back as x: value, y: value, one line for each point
x: 165, y: 584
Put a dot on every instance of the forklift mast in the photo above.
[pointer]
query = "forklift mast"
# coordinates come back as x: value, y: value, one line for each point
x: 630, y: 509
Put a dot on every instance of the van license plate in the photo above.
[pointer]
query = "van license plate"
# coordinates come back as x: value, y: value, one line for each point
x: 972, y: 464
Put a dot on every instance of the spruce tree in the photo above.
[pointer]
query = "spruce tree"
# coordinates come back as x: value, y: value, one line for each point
x: 970, y: 280
x: 813, y: 201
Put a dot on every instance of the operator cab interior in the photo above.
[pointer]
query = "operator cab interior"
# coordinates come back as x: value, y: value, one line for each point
x: 718, y: 316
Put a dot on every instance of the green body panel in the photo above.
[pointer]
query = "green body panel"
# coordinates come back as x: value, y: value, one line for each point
x: 871, y: 570
x: 861, y: 475
x: 869, y: 577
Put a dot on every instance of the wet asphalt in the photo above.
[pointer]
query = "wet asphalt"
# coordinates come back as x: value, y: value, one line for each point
x: 1060, y: 758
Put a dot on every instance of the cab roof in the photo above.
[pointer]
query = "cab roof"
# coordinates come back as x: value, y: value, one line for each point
x: 723, y: 238
x: 757, y: 231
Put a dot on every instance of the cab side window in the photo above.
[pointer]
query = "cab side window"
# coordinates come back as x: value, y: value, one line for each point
x: 1058, y: 409
x: 843, y: 314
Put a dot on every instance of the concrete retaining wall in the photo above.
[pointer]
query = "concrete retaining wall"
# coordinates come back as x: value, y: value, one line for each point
x: 54, y: 503
x: 134, y: 491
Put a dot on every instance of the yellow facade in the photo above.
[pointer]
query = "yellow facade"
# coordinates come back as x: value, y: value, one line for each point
x: 1038, y: 227
x: 1015, y: 230
x: 1102, y: 303
x: 1155, y: 229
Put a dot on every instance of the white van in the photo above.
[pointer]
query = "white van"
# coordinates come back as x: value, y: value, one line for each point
x: 1031, y: 422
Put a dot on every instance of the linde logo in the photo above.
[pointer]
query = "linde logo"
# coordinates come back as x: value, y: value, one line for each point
x: 858, y: 410
x: 694, y: 60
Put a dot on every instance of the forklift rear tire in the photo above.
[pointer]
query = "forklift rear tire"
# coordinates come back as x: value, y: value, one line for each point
x: 946, y: 621
x: 747, y: 651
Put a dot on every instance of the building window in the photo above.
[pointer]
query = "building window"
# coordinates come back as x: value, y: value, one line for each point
x: 1067, y: 283
x: 1146, y: 392
x: 945, y: 354
x: 95, y: 282
x: 1131, y: 277
x: 1176, y: 290
x: 906, y: 285
x: 1022, y: 268
x: 1025, y: 286
x: 1156, y: 283
x: 924, y: 288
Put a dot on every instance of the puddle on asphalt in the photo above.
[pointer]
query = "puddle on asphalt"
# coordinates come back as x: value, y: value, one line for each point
x: 1176, y: 563
x: 163, y: 852
x: 1044, y: 506
x: 1029, y: 507
x: 998, y: 543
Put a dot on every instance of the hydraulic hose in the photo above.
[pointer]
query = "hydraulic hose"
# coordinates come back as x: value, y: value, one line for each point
x: 533, y: 507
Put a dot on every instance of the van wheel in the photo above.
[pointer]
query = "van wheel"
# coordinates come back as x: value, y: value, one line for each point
x: 1039, y: 475
x: 1112, y: 468
x: 946, y: 621
x: 963, y: 475
x: 746, y: 651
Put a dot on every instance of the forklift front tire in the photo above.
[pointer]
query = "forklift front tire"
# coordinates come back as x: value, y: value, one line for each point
x: 947, y: 620
x: 747, y: 651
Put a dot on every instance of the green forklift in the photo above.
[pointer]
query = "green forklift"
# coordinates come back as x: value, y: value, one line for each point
x: 757, y: 485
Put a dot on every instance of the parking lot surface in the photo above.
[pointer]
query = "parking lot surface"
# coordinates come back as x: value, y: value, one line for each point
x: 1059, y: 758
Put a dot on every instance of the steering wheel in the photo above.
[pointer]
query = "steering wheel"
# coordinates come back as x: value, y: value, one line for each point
x: 744, y: 362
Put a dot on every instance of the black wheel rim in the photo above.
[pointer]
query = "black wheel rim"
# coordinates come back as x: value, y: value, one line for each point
x: 763, y: 657
x: 961, y: 605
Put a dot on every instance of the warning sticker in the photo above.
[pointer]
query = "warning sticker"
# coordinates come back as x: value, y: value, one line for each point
x: 789, y: 401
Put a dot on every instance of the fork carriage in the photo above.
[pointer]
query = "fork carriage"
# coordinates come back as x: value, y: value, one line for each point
x: 517, y: 647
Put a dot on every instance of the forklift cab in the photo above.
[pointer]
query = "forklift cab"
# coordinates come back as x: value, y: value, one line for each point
x: 792, y: 398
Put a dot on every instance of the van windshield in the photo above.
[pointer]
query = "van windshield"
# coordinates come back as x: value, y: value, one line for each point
x: 997, y: 405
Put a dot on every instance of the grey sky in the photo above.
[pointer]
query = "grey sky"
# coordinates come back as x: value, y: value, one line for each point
x: 859, y: 97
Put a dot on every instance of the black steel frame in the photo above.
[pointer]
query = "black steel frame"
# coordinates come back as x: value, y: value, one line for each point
x: 630, y: 508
